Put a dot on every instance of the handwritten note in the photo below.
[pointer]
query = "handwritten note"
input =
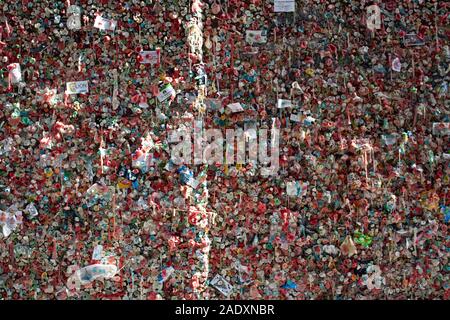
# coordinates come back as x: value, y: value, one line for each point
x: 149, y: 57
x: 77, y: 87
x: 284, y: 6
x: 104, y: 24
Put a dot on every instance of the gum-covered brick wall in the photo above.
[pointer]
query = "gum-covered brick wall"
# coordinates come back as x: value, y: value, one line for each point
x: 93, y: 205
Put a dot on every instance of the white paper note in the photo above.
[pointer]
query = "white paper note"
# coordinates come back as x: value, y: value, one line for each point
x: 77, y: 87
x: 284, y: 6
x: 104, y: 24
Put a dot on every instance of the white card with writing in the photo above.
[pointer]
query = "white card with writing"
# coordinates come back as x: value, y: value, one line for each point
x: 98, y: 252
x: 222, y: 285
x: 149, y: 57
x: 15, y: 72
x: 77, y: 87
x: 166, y: 93
x: 235, y: 107
x: 284, y: 6
x: 104, y: 24
x: 283, y: 103
x: 295, y: 117
x: 256, y: 36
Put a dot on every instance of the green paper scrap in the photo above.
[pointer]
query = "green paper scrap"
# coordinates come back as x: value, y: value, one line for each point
x: 362, y: 239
